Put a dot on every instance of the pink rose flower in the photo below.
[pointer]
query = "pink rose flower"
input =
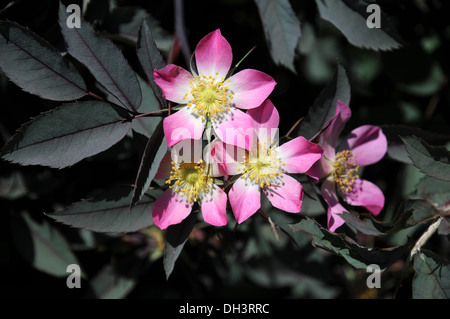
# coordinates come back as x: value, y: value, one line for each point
x: 339, y: 166
x: 211, y: 96
x: 265, y: 167
x: 190, y: 182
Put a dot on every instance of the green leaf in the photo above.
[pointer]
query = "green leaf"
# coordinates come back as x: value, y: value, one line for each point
x: 417, y: 211
x: 324, y: 107
x: 154, y: 152
x: 110, y: 212
x: 104, y: 60
x: 356, y: 255
x: 42, y: 245
x: 37, y: 67
x: 350, y: 17
x: 432, y: 277
x: 64, y: 136
x: 433, y: 161
x: 435, y: 191
x: 176, y: 237
x: 366, y: 225
x: 281, y: 29
x: 150, y: 59
x: 146, y: 125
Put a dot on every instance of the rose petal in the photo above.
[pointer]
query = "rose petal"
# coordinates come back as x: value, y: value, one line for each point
x: 365, y: 194
x: 182, y: 125
x: 170, y: 209
x: 174, y: 82
x: 266, y: 115
x: 299, y: 155
x: 367, y: 142
x: 287, y: 195
x: 235, y: 128
x: 250, y: 88
x: 320, y: 169
x: 214, y: 207
x: 334, y: 207
x: 213, y: 54
x: 226, y: 157
x: 245, y: 199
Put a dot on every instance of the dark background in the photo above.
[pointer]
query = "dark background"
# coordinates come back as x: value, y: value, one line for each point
x: 396, y: 87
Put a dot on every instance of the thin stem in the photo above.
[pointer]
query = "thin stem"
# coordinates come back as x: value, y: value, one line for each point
x: 96, y: 96
x: 293, y: 127
x: 425, y: 236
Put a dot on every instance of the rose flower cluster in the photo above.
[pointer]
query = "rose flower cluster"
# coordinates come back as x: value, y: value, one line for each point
x: 224, y: 147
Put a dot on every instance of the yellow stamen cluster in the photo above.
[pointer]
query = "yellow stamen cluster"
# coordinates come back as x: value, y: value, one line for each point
x: 210, y: 96
x: 262, y: 166
x: 345, y: 170
x: 189, y: 180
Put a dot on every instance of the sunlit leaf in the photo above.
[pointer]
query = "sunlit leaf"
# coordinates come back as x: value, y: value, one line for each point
x: 104, y: 60
x: 176, y: 238
x: 154, y: 152
x: 110, y: 212
x: 350, y: 17
x: 281, y: 28
x: 150, y: 59
x: 37, y: 67
x: 66, y: 135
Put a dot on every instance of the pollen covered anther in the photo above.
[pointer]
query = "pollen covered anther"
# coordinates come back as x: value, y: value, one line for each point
x: 262, y: 166
x: 189, y: 180
x: 345, y: 169
x: 210, y: 96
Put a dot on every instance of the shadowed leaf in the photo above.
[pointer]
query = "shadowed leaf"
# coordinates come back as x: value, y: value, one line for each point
x: 432, y: 277
x: 110, y: 212
x: 281, y: 28
x: 42, y: 245
x: 433, y: 161
x: 324, y: 107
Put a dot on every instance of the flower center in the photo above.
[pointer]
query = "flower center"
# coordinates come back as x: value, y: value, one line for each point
x: 210, y: 97
x: 262, y: 166
x: 189, y: 180
x: 345, y: 170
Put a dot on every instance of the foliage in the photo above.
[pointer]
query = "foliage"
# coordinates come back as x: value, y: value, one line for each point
x: 82, y: 141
